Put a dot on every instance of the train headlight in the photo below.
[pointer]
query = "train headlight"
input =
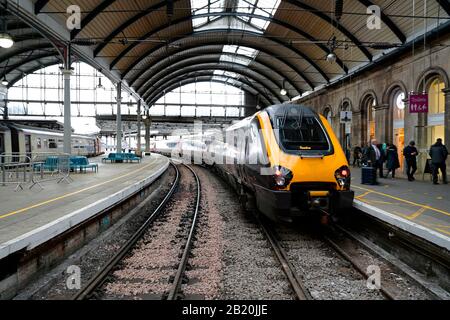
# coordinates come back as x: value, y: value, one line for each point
x: 282, y: 177
x: 343, y: 177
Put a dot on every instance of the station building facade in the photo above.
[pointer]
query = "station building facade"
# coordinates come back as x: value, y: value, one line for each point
x: 379, y: 102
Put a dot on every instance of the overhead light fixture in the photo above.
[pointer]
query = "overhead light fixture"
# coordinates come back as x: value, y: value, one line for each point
x: 6, y: 41
x: 331, y: 57
x: 5, y: 82
x: 283, y: 90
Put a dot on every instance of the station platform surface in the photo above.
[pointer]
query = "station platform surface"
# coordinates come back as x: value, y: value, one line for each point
x: 419, y: 207
x: 28, y: 218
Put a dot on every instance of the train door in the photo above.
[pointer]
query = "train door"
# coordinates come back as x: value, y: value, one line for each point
x: 28, y: 145
x: 2, y: 145
x: 243, y: 156
x: 15, y: 145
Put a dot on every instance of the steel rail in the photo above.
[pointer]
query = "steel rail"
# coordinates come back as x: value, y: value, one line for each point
x: 294, y: 280
x: 173, y: 294
x: 99, y: 278
x: 342, y: 252
x: 388, y: 295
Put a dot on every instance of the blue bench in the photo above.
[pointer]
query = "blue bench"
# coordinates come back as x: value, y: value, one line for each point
x: 52, y: 162
x: 83, y: 164
x: 121, y: 157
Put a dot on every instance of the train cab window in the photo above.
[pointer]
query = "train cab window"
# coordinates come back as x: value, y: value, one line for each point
x: 301, y: 133
x: 52, y: 144
x: 38, y: 143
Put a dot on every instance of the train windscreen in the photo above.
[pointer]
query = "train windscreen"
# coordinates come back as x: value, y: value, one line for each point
x: 301, y: 133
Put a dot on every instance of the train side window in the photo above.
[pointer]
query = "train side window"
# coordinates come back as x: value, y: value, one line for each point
x: 52, y: 144
x: 45, y: 144
x: 39, y: 143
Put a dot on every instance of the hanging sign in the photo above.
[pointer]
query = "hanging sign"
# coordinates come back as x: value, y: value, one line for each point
x: 346, y: 117
x: 418, y: 103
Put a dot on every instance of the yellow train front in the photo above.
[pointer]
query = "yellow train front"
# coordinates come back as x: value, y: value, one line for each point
x: 289, y: 160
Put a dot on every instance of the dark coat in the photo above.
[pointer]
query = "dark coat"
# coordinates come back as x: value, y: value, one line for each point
x: 371, y: 155
x: 408, y: 151
x: 392, y: 158
x: 438, y: 153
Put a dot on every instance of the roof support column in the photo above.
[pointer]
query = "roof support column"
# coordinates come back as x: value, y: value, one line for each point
x: 67, y: 72
x: 148, y: 123
x: 119, y: 118
x: 138, y: 138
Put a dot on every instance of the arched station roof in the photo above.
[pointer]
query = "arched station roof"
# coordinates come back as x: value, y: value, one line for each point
x: 261, y: 46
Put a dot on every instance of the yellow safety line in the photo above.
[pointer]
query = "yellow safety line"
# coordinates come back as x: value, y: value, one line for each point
x: 71, y: 194
x: 382, y: 202
x: 363, y: 195
x: 401, y: 214
x: 405, y: 201
x: 417, y: 214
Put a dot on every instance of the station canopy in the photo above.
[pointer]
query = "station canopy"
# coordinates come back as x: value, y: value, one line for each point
x: 275, y: 49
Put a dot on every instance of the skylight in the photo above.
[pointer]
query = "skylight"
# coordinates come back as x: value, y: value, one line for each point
x: 243, y: 20
x: 265, y: 8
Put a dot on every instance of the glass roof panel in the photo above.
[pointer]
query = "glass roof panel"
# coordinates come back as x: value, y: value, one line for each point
x: 265, y: 8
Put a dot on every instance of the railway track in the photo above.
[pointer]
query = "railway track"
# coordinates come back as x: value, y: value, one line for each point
x: 348, y: 246
x: 104, y: 274
x: 295, y: 281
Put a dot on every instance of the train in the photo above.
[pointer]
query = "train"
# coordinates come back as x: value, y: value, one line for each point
x: 30, y: 141
x: 287, y: 161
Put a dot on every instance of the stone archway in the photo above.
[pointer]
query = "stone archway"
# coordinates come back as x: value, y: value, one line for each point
x: 424, y: 127
x: 367, y: 107
x: 390, y: 113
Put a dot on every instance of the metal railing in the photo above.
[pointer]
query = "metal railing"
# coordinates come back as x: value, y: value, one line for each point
x: 20, y: 169
x: 15, y: 170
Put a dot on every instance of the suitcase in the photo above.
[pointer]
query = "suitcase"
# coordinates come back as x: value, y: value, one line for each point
x: 369, y: 176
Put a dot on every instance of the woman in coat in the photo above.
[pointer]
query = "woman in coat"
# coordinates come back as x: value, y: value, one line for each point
x: 392, y: 159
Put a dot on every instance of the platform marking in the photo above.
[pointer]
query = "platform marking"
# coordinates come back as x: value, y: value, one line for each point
x: 381, y: 202
x: 406, y: 201
x: 71, y: 194
x: 417, y: 214
x: 363, y: 195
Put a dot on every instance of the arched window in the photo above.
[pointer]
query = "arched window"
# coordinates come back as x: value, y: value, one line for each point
x: 436, y: 98
x: 202, y: 99
x: 436, y: 114
x: 328, y: 114
x: 371, y: 118
x: 398, y: 107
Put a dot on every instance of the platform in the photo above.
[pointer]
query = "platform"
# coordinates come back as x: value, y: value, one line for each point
x: 28, y: 218
x: 418, y: 207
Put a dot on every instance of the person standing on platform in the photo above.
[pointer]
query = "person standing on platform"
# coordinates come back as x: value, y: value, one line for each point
x: 439, y: 154
x: 357, y: 155
x: 375, y: 157
x: 392, y: 159
x: 410, y: 153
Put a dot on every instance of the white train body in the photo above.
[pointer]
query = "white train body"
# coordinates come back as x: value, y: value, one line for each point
x: 30, y: 141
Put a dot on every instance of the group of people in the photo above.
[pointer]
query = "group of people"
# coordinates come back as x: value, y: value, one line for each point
x: 376, y: 155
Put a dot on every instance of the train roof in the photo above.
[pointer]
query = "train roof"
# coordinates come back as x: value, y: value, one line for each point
x: 43, y: 131
x: 295, y: 109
